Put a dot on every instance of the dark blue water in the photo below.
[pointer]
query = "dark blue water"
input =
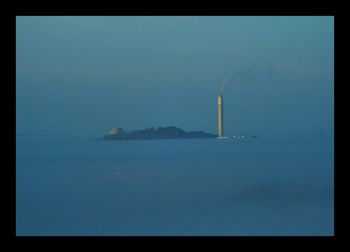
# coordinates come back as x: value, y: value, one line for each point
x: 77, y: 186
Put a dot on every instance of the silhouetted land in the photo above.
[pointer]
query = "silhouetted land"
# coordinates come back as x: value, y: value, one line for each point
x: 169, y: 132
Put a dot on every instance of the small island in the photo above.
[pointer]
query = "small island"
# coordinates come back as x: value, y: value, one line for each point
x: 169, y: 132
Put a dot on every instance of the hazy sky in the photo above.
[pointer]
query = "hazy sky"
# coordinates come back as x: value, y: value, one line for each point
x: 85, y: 75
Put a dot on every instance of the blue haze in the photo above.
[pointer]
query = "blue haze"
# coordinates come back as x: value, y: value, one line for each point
x: 77, y: 77
x: 84, y: 75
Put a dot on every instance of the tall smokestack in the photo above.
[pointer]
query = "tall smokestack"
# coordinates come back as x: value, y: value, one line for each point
x: 220, y: 117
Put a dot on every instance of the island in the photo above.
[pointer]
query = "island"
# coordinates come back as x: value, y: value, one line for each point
x: 169, y: 132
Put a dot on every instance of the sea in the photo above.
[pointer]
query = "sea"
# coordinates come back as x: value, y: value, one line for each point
x: 76, y: 186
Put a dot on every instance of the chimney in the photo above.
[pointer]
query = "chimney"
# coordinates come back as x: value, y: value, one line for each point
x: 220, y: 117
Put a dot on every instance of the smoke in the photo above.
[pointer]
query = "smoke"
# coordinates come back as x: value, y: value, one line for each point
x: 247, y: 74
x: 224, y: 83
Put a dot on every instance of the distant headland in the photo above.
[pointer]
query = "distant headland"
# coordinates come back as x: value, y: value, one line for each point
x: 169, y: 132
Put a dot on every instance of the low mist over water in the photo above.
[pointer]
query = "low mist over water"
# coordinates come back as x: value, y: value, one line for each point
x: 68, y: 186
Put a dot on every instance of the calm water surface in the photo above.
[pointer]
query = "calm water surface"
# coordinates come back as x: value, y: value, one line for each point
x: 78, y: 186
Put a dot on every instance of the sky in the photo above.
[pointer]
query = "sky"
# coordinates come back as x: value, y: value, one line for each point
x: 84, y: 75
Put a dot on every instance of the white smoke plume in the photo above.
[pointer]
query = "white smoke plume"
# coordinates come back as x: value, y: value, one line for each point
x: 224, y: 83
x: 247, y: 74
